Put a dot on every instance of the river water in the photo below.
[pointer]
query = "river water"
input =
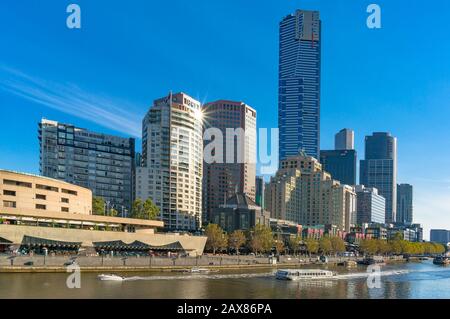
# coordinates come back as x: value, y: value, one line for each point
x: 402, y: 280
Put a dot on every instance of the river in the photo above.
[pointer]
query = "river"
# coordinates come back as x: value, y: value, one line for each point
x: 397, y: 281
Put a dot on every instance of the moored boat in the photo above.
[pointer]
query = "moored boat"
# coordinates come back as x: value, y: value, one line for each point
x: 441, y: 260
x: 304, y: 274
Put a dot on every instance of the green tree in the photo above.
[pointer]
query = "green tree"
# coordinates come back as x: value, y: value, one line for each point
x: 395, y: 247
x: 217, y: 239
x: 98, y: 206
x: 294, y: 244
x: 150, y: 210
x: 383, y: 247
x: 312, y: 246
x: 337, y: 245
x: 325, y: 245
x: 144, y: 210
x: 368, y: 246
x: 137, y: 209
x: 236, y: 240
x: 113, y: 212
x: 261, y: 239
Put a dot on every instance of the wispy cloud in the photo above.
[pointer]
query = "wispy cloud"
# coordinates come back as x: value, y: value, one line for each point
x: 69, y: 98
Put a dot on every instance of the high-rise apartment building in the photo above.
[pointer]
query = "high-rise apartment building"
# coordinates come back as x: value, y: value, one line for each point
x: 344, y: 140
x: 370, y: 206
x: 379, y: 170
x: 172, y: 158
x: 302, y: 192
x: 102, y: 163
x: 405, y: 204
x: 235, y: 171
x: 299, y: 84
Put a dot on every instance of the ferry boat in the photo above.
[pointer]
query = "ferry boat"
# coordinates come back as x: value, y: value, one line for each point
x: 104, y: 277
x: 441, y: 260
x: 302, y: 274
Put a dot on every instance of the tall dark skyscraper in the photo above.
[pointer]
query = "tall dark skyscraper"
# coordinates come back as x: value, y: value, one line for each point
x: 341, y: 162
x: 379, y: 169
x: 405, y: 204
x: 299, y: 84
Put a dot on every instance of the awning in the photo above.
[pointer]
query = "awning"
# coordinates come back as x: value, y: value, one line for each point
x: 38, y: 242
x: 173, y: 246
x: 136, y: 245
x: 4, y: 241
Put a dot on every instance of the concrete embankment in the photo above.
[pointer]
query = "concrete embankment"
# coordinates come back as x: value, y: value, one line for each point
x: 38, y: 264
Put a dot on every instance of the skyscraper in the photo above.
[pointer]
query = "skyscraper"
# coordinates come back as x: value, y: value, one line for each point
x: 341, y: 162
x: 236, y: 174
x: 370, y: 206
x: 102, y: 163
x: 344, y: 140
x: 379, y: 170
x: 299, y: 84
x: 172, y: 159
x: 405, y: 204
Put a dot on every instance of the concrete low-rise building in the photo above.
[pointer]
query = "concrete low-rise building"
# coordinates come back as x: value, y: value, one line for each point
x: 41, y: 212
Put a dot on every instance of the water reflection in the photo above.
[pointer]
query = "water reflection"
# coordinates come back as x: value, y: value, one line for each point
x: 421, y: 280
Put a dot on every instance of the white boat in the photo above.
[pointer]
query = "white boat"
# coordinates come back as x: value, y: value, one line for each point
x: 302, y: 274
x: 111, y: 277
x: 197, y: 270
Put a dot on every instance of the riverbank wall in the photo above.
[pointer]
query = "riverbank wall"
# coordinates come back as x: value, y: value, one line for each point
x: 41, y: 264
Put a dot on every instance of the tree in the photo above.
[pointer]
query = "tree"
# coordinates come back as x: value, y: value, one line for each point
x: 279, y: 246
x: 150, y: 210
x: 98, y: 206
x: 144, y: 210
x: 294, y: 244
x: 395, y: 247
x: 236, y: 240
x: 113, y: 212
x: 312, y: 246
x: 325, y: 245
x: 368, y: 246
x: 383, y: 247
x: 217, y: 239
x: 261, y: 239
x: 337, y: 245
x: 137, y: 209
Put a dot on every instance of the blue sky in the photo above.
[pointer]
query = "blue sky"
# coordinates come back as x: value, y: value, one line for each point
x: 106, y: 75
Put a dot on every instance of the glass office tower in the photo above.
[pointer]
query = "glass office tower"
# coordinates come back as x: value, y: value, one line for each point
x: 103, y: 163
x: 299, y: 84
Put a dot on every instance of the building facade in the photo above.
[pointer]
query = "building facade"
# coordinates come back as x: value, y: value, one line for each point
x: 104, y: 164
x: 405, y: 204
x: 299, y: 84
x: 172, y: 161
x: 38, y: 212
x: 303, y: 193
x: 240, y: 212
x: 379, y: 170
x: 235, y: 170
x: 341, y: 164
x: 260, y: 186
x: 370, y: 206
x: 441, y: 236
x: 344, y: 140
